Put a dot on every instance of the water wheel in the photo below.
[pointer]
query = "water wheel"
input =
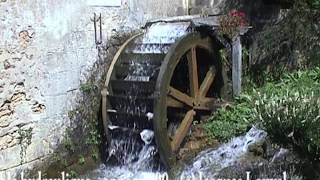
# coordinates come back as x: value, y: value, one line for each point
x: 163, y: 80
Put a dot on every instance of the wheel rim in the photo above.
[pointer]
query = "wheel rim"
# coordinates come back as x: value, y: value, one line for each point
x: 190, y: 101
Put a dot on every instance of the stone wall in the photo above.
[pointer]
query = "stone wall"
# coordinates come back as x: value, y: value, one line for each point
x: 47, y: 51
x: 207, y: 7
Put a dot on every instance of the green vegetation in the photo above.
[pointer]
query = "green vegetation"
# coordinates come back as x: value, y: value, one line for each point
x: 232, y: 120
x: 87, y: 87
x: 290, y: 112
x: 94, y: 137
x: 315, y: 3
x: 289, y: 44
x: 82, y: 138
x: 72, y: 114
x: 73, y: 174
x: 67, y: 141
x: 81, y: 160
x: 95, y: 154
x: 288, y: 109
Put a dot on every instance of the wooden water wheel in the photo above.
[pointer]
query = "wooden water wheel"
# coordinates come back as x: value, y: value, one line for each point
x: 163, y: 86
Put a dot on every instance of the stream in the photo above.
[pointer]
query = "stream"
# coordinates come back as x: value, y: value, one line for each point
x: 142, y: 163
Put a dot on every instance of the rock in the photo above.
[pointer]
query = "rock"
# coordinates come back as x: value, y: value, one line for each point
x: 38, y: 108
x: 5, y: 141
x: 7, y: 64
x: 257, y: 149
x: 193, y: 145
x: 17, y: 97
x: 4, y: 122
x: 5, y: 110
x: 280, y: 156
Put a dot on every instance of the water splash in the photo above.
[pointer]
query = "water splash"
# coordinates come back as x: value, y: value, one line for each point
x: 147, y: 136
x: 140, y: 71
x: 133, y: 150
x: 210, y: 162
x: 131, y: 156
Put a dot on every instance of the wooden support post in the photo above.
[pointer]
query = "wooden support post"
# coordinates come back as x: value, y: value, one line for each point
x: 236, y: 65
x: 186, y: 6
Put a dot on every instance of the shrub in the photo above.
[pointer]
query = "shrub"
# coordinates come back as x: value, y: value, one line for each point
x: 292, y: 119
x: 290, y: 111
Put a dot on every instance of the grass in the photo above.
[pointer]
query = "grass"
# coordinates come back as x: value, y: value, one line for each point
x: 231, y: 121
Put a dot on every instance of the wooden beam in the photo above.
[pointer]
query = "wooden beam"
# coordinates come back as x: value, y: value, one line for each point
x: 180, y: 96
x: 207, y: 82
x: 193, y: 72
x: 174, y: 103
x: 182, y: 130
x: 236, y: 66
x: 105, y: 118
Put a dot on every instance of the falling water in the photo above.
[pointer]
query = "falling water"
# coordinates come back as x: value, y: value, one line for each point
x: 132, y: 154
x: 160, y: 36
x: 165, y: 33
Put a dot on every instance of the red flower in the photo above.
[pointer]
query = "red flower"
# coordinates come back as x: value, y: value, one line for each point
x: 239, y: 14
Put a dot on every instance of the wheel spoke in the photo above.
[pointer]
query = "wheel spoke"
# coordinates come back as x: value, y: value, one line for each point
x: 180, y: 96
x: 182, y: 130
x: 171, y: 102
x: 207, y: 82
x: 193, y: 72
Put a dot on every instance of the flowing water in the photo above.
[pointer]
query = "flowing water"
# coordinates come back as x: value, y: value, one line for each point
x: 130, y: 157
x: 207, y: 164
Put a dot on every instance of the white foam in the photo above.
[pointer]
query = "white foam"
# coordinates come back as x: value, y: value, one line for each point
x: 137, y: 78
x: 149, y: 115
x: 147, y: 136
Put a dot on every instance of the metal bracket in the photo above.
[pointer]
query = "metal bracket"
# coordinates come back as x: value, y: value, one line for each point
x: 96, y: 19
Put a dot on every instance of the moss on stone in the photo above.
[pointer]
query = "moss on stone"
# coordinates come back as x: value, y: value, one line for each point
x: 25, y: 136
